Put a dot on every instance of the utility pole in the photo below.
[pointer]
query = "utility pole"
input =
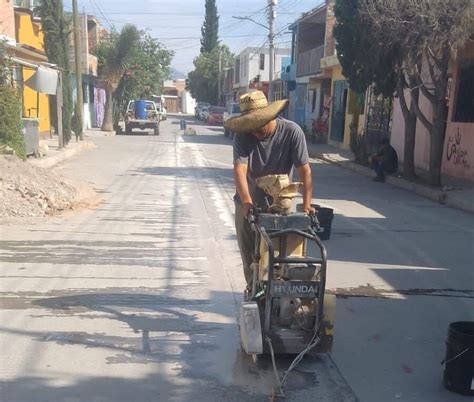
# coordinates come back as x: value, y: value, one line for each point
x: 59, y: 109
x: 219, y: 89
x: 77, y: 56
x: 271, y: 36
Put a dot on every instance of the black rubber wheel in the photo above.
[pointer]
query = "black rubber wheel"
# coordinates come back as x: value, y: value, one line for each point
x: 156, y: 131
x: 128, y: 130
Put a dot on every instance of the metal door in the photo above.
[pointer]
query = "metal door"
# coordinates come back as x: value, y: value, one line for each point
x: 339, y: 102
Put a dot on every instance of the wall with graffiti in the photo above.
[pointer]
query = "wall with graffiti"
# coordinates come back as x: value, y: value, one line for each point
x: 458, y: 157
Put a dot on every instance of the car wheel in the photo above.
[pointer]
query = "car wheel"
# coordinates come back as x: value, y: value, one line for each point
x: 156, y: 130
x: 128, y: 130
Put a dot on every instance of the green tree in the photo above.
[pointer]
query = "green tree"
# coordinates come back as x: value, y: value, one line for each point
x: 147, y: 70
x: 56, y: 29
x: 367, y: 60
x: 428, y: 34
x: 202, y: 81
x: 10, y: 106
x: 115, y: 54
x: 210, y: 28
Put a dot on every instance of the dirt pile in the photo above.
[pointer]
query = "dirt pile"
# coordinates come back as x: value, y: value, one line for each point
x: 29, y: 191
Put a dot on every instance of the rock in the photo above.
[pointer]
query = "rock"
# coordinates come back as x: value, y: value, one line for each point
x: 6, y: 150
x: 43, y: 149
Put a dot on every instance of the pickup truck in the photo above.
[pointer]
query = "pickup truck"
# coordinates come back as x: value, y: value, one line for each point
x: 142, y: 114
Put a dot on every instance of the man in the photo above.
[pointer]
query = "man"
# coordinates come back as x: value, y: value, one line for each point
x: 385, y: 161
x: 264, y: 144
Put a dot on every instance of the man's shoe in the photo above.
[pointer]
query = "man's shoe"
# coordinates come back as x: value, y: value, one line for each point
x: 379, y: 179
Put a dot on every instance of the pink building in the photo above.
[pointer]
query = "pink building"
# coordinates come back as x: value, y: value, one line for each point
x: 458, y: 156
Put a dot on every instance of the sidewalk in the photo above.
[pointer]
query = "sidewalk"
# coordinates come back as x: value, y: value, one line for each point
x: 459, y: 197
x: 56, y: 155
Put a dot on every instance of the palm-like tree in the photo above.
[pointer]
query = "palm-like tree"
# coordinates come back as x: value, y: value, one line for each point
x: 114, y: 56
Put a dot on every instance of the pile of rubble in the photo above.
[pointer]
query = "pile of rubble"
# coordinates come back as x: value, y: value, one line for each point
x: 29, y: 191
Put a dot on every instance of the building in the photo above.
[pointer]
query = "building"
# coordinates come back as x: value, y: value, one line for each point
x: 458, y: 155
x: 251, y: 68
x: 29, y: 54
x: 90, y: 34
x: 306, y: 80
x: 227, y: 86
x: 177, y: 99
x: 318, y: 91
x: 7, y: 22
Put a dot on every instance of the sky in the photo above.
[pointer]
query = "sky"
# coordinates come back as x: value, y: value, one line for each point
x: 177, y: 23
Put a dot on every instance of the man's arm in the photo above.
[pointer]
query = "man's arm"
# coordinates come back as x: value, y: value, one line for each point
x: 240, y: 177
x: 304, y: 172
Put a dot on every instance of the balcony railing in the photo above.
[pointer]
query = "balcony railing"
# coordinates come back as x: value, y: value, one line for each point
x: 310, y: 62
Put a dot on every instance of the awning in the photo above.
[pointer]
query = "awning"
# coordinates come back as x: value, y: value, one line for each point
x: 44, y: 80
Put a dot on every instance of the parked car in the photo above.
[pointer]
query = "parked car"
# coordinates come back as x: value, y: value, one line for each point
x: 203, y: 113
x: 233, y: 110
x: 216, y: 115
x: 142, y: 114
x: 199, y: 107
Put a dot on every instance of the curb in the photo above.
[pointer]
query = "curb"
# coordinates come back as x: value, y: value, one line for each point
x: 61, y: 155
x: 439, y: 196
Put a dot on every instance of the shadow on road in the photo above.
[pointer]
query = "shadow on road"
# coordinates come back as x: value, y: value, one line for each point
x: 207, y: 139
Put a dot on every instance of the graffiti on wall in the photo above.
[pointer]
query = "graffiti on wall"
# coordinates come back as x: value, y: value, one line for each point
x: 455, y: 153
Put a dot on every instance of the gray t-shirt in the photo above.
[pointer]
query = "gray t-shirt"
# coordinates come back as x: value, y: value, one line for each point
x: 278, y: 154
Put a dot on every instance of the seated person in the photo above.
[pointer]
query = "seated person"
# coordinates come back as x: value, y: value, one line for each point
x: 385, y: 161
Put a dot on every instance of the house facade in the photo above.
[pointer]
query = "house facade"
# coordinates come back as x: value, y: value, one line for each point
x: 252, y: 69
x: 319, y: 94
x: 29, y: 54
x: 90, y: 34
x: 458, y: 155
x: 7, y: 21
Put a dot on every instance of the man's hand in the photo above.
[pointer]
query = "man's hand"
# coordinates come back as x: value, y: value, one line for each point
x: 308, y: 209
x: 246, y: 208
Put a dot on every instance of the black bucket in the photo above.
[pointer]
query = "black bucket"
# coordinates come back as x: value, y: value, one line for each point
x: 459, y: 362
x: 325, y: 217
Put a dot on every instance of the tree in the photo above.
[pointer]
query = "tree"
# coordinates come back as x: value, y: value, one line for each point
x: 429, y: 34
x: 367, y: 60
x: 11, y: 133
x: 114, y: 57
x: 363, y: 60
x: 202, y: 81
x: 56, y: 29
x: 147, y: 70
x: 210, y: 28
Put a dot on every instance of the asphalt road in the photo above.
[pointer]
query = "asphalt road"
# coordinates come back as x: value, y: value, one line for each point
x: 137, y: 299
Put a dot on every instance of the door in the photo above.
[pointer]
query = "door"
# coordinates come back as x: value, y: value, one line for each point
x: 300, y: 107
x: 339, y: 102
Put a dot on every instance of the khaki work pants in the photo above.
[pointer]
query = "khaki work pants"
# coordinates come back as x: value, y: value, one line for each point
x: 246, y: 240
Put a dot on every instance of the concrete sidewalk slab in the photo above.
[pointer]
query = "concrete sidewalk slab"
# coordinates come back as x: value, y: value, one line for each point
x: 56, y: 155
x: 462, y: 199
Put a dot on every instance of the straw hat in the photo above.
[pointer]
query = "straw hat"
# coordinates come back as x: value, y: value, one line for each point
x: 255, y: 112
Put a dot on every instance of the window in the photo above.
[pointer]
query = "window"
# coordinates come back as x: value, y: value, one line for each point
x: 262, y: 61
x: 464, y: 102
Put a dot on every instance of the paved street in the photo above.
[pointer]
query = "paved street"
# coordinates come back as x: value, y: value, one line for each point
x: 137, y: 299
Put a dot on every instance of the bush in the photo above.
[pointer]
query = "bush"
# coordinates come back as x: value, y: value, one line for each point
x: 359, y: 146
x: 11, y: 129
